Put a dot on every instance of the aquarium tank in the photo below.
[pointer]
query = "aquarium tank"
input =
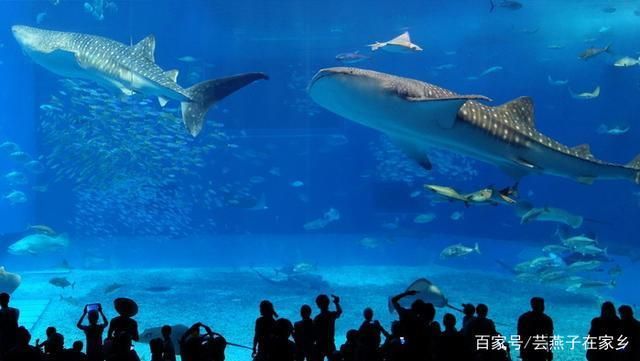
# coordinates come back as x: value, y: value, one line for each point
x: 434, y: 180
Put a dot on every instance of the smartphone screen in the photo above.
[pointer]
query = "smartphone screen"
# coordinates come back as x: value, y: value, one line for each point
x: 93, y: 306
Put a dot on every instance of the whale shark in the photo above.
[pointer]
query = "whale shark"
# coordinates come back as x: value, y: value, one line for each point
x: 417, y: 115
x: 126, y: 69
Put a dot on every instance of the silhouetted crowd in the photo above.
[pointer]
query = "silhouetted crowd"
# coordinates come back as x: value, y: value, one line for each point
x: 415, y: 336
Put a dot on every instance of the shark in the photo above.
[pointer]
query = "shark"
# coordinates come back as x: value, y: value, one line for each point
x: 418, y: 115
x: 126, y: 69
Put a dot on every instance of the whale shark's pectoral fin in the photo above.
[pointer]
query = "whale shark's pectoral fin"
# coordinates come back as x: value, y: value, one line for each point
x: 414, y: 152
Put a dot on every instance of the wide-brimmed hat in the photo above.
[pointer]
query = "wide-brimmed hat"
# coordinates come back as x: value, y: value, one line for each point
x: 125, y: 307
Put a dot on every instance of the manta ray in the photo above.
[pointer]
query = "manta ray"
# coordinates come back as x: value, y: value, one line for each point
x: 416, y: 115
x: 126, y: 69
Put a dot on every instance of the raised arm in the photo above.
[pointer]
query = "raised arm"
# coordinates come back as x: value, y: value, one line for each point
x: 84, y: 313
x: 105, y: 322
x: 336, y: 301
x: 395, y: 300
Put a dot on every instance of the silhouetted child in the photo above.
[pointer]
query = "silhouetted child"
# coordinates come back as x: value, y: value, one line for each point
x: 168, y: 350
x: 75, y: 353
x: 630, y: 330
x: 156, y: 347
x: 303, y: 335
x: 93, y: 332
x: 533, y: 326
x: 409, y: 321
x: 479, y: 328
x: 324, y: 327
x: 124, y: 322
x: 469, y: 312
x: 53, y: 345
x: 8, y: 324
x: 450, y: 345
x: 608, y: 324
x: 263, y: 330
x: 22, y: 351
x: 349, y: 349
x: 369, y: 337
x: 191, y: 342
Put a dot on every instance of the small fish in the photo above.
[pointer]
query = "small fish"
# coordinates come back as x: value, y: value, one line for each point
x: 506, y: 4
x: 424, y: 218
x: 593, y: 52
x: 456, y: 216
x: 555, y: 249
x: 556, y: 82
x: 297, y: 184
x: 112, y: 288
x: 16, y: 197
x: 40, y: 17
x: 61, y: 282
x: 616, y: 130
x: 400, y: 44
x: 445, y: 67
x: 351, y: 58
x: 579, y: 241
x: 459, y: 250
x: 626, y: 62
x: 187, y: 59
x: 586, y: 95
x: 609, y: 9
x: 44, y: 229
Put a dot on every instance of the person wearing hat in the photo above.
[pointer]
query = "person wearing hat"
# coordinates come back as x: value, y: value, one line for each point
x: 124, y: 323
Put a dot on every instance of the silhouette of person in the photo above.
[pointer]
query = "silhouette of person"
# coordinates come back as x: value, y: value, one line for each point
x: 53, y: 346
x: 369, y: 337
x: 349, y: 349
x: 22, y: 351
x: 8, y: 324
x: 395, y: 347
x: 607, y: 324
x: 303, y: 335
x: 479, y: 328
x: 124, y: 323
x: 409, y: 321
x: 191, y: 342
x: 75, y: 353
x: 168, y: 350
x: 630, y: 328
x: 281, y: 348
x: 469, y: 312
x: 264, y: 330
x: 450, y: 345
x: 156, y: 347
x: 324, y: 327
x: 429, y: 331
x: 535, y: 330
x: 93, y: 332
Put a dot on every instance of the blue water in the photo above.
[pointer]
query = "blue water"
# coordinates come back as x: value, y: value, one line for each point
x: 301, y: 160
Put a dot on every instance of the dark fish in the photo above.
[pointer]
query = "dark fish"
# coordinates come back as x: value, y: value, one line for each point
x: 609, y: 10
x: 351, y: 58
x: 506, y: 4
x: 61, y: 282
x: 592, y: 52
x: 112, y: 288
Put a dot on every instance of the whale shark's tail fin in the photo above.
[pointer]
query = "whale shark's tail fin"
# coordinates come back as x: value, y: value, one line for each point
x: 204, y: 95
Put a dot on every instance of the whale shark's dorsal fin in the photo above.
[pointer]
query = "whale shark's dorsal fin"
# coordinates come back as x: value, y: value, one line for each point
x: 635, y: 162
x: 172, y: 74
x: 583, y: 150
x: 146, y: 47
x: 519, y: 110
